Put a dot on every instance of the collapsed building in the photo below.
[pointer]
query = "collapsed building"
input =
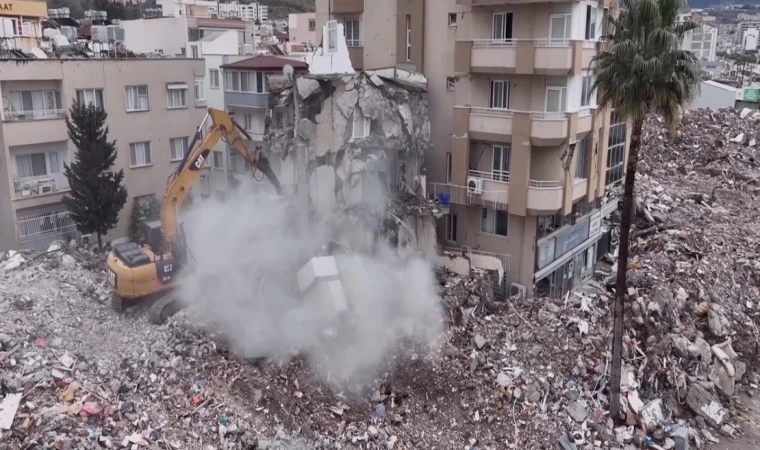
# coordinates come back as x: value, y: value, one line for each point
x: 354, y: 146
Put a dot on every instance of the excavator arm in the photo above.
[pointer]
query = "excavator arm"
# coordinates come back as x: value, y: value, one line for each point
x: 222, y: 127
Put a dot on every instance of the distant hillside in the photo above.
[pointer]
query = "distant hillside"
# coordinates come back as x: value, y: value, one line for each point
x: 279, y: 9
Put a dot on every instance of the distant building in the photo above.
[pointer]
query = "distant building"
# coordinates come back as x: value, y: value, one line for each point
x: 245, y: 11
x: 749, y: 39
x: 703, y: 41
x: 302, y: 29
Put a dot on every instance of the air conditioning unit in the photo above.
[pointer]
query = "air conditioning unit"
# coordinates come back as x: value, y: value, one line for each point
x: 475, y: 185
x: 46, y: 186
x: 517, y: 290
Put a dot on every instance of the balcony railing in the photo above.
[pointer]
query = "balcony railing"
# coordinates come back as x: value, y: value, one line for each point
x: 494, y: 42
x: 553, y: 42
x: 200, y: 103
x: 583, y: 112
x: 35, y: 114
x: 497, y: 175
x: 354, y: 43
x: 589, y: 44
x: 33, y: 188
x: 462, y: 195
x: 540, y: 184
x: 492, y: 112
x: 549, y: 115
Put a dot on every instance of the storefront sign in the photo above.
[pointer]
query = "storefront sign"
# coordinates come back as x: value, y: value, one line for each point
x: 595, y: 223
x: 571, y: 238
x: 24, y: 8
x: 545, y: 253
x: 751, y: 94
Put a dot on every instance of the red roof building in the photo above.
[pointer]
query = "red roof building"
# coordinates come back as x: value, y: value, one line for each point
x: 267, y: 63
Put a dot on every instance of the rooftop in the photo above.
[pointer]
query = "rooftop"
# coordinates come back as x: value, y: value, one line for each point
x: 266, y: 63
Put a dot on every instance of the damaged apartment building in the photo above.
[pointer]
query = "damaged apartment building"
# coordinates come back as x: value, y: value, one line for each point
x: 354, y: 144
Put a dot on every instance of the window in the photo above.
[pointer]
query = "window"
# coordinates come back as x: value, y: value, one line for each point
x: 176, y: 96
x: 248, y: 122
x: 590, y: 22
x: 556, y: 94
x: 53, y: 163
x: 451, y: 227
x: 500, y: 162
x: 499, y: 94
x: 353, y: 32
x: 361, y: 124
x: 586, y: 95
x: 194, y: 34
x: 332, y: 37
x: 34, y: 165
x: 451, y: 83
x: 615, y: 149
x: 408, y: 38
x: 559, y: 23
x: 200, y: 93
x: 495, y: 222
x: 139, y: 154
x: 194, y: 50
x: 144, y: 201
x: 218, y: 160
x: 581, y: 152
x: 137, y: 98
x: 245, y: 81
x: 178, y: 148
x: 233, y: 157
x: 35, y: 104
x: 501, y: 29
x: 213, y: 76
x: 452, y: 19
x: 27, y: 28
x: 605, y: 20
x: 90, y: 97
x: 312, y: 24
x: 278, y: 118
x: 448, y: 166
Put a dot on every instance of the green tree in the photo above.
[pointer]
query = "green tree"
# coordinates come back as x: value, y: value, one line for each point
x: 640, y: 69
x: 97, y: 193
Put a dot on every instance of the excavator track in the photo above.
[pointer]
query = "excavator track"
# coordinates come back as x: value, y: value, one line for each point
x: 163, y: 308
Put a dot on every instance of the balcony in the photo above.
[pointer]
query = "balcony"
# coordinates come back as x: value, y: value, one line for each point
x: 585, y: 119
x: 580, y: 188
x: 546, y: 128
x: 523, y: 56
x: 544, y: 196
x: 29, y: 130
x: 246, y: 99
x: 346, y: 6
x: 40, y: 114
x: 51, y: 184
x: 462, y: 195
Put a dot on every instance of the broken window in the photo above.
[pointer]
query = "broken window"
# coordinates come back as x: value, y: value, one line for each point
x: 451, y: 227
x: 361, y: 124
x: 493, y: 221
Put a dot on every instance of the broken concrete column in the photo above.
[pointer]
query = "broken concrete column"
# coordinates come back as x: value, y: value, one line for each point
x: 319, y: 280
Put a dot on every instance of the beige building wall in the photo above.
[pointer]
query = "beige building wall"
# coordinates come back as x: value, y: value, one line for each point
x: 299, y: 30
x: 157, y: 125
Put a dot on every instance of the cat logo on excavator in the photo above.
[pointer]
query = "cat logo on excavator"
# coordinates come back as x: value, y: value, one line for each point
x: 198, y: 163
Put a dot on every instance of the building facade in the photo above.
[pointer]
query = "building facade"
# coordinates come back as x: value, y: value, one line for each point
x: 380, y: 34
x: 21, y: 25
x: 154, y: 96
x: 245, y: 11
x: 521, y: 151
x: 302, y: 29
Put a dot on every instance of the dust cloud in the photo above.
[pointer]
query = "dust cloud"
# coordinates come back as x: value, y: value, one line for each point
x: 246, y: 252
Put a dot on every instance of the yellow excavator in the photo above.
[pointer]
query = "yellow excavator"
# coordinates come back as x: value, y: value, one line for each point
x: 151, y: 269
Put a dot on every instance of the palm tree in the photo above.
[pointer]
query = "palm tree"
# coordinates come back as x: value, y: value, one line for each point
x: 641, y: 68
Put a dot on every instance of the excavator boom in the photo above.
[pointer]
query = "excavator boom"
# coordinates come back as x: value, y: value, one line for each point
x: 222, y: 127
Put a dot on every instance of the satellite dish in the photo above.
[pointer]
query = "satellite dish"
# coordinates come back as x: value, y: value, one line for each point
x: 288, y: 70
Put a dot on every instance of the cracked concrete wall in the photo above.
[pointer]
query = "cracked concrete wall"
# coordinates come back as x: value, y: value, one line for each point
x: 356, y: 141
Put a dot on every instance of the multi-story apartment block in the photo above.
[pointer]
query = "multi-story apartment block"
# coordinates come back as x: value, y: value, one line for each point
x: 522, y: 152
x: 380, y: 34
x: 246, y: 11
x: 703, y: 41
x: 302, y: 29
x: 152, y: 112
x: 21, y: 25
